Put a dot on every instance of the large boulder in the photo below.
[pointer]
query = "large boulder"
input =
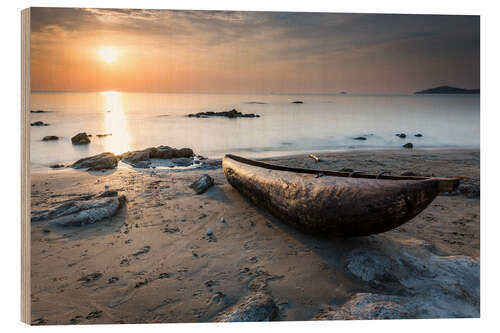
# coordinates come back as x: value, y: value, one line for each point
x: 427, y: 285
x: 181, y: 157
x: 255, y: 307
x: 98, y: 162
x: 80, y: 139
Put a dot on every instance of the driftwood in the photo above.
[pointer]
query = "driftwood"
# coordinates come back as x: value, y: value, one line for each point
x: 341, y: 203
x: 314, y: 157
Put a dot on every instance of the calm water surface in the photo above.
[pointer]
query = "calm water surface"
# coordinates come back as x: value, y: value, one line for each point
x: 322, y: 122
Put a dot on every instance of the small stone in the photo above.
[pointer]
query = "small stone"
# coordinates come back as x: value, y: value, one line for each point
x: 408, y: 145
x: 222, y: 220
x: 80, y: 139
x: 202, y: 184
x: 418, y: 135
x: 106, y: 186
x: 360, y: 138
x: 210, y: 232
x: 46, y: 183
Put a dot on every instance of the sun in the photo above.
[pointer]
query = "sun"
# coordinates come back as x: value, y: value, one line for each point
x: 108, y: 54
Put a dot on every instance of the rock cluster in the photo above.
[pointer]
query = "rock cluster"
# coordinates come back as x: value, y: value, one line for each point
x: 410, y: 282
x: 141, y: 158
x: 228, y: 114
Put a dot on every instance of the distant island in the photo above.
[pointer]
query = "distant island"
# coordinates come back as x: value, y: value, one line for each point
x: 448, y: 90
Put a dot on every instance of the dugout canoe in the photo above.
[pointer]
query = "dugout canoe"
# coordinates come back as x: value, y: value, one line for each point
x: 334, y: 202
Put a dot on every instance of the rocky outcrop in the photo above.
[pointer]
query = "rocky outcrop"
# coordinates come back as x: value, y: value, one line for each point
x: 411, y: 281
x: 78, y: 213
x: 228, y: 114
x: 39, y: 123
x: 50, y: 138
x: 255, y: 307
x: 202, y: 184
x: 98, y: 162
x: 80, y: 139
x: 141, y: 158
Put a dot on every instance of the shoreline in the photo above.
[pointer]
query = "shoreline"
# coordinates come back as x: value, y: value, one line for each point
x: 298, y: 154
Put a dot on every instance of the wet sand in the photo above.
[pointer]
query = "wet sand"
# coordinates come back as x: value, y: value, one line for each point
x: 153, y: 261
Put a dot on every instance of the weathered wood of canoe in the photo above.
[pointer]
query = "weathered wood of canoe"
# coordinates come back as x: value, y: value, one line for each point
x: 349, y: 206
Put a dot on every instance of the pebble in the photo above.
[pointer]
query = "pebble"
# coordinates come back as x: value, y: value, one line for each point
x: 222, y: 220
x: 210, y: 232
x: 46, y: 183
x: 106, y: 186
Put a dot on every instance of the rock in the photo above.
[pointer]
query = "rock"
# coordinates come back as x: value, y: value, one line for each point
x: 364, y: 306
x: 210, y: 232
x: 202, y: 184
x: 222, y: 220
x: 38, y: 111
x: 361, y: 138
x: 255, y: 307
x: 430, y: 286
x: 401, y: 135
x: 418, y: 135
x: 80, y: 139
x: 50, y: 138
x: 57, y: 166
x: 471, y: 191
x: 408, y: 145
x: 103, y: 135
x: 160, y: 152
x: 228, y: 114
x: 409, y: 173
x: 78, y: 213
x: 98, y: 162
x: 297, y: 102
x: 39, y: 123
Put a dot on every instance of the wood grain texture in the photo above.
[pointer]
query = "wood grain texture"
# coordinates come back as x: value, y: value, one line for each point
x: 25, y: 168
x: 343, y: 206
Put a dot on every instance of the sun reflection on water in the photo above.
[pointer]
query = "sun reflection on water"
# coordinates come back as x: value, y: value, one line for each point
x: 115, y: 122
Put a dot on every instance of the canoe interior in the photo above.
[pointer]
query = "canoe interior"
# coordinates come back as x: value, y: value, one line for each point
x: 444, y: 184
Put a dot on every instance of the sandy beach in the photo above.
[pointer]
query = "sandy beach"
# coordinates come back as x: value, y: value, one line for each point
x: 153, y: 262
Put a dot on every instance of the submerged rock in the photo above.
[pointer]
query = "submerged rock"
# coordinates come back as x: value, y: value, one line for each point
x: 78, y: 213
x: 202, y: 184
x: 418, y: 135
x: 361, y: 138
x: 98, y: 162
x: 408, y: 145
x: 228, y: 114
x: 39, y: 123
x: 80, y: 139
x: 255, y: 307
x: 297, y: 102
x: 50, y: 138
x: 401, y: 135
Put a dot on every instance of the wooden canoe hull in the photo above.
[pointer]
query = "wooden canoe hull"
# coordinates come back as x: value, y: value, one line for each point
x: 343, y: 206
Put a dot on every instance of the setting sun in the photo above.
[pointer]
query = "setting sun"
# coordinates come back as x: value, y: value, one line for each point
x: 108, y: 54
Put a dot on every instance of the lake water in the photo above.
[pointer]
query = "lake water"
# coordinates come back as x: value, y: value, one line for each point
x: 321, y: 123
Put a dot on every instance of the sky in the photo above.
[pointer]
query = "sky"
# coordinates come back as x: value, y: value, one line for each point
x: 77, y: 49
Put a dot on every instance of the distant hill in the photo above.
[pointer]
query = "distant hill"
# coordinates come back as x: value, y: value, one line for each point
x: 448, y: 90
